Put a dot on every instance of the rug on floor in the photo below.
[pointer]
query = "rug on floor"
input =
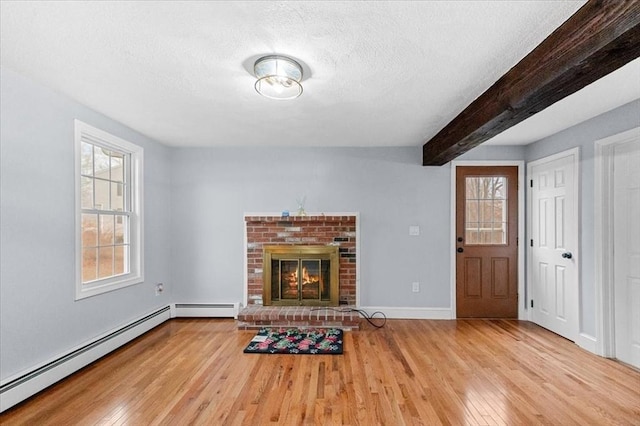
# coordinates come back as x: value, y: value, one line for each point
x: 312, y: 341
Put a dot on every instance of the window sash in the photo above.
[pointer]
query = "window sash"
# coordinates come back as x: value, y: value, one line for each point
x: 119, y: 243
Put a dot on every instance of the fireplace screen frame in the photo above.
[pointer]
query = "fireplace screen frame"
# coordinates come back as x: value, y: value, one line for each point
x: 301, y: 253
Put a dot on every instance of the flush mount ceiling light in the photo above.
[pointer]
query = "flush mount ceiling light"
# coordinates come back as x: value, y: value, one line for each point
x: 278, y: 77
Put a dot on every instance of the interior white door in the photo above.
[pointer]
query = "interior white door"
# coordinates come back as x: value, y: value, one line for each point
x: 554, y: 243
x: 626, y: 271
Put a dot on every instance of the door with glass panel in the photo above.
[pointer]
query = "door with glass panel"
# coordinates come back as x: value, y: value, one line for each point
x: 486, y: 242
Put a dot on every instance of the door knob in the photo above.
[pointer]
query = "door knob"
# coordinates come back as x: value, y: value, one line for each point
x: 567, y: 255
x: 460, y: 250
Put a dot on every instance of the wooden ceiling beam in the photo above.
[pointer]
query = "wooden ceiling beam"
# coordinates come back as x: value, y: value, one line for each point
x: 599, y: 38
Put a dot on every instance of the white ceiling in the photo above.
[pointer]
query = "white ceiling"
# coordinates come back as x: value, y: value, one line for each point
x: 377, y: 73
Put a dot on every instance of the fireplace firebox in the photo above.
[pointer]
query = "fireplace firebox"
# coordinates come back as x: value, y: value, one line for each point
x: 301, y: 275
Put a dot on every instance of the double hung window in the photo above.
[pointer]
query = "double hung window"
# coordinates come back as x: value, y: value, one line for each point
x: 109, y: 212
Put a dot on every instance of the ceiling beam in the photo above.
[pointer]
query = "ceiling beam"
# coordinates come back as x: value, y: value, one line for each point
x: 599, y: 38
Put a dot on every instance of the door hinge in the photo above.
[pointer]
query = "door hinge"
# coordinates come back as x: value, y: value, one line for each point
x: 532, y: 303
x: 532, y: 242
x: 531, y: 183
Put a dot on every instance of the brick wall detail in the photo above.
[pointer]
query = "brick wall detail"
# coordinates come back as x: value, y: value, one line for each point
x: 302, y: 230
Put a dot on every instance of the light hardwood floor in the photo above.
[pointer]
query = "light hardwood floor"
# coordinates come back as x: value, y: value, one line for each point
x: 477, y: 372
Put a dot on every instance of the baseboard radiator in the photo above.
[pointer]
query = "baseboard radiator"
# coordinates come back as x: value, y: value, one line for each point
x: 207, y: 310
x: 19, y: 388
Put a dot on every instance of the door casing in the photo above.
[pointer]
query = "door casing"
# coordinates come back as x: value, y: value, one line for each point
x: 522, y: 312
x: 604, y: 244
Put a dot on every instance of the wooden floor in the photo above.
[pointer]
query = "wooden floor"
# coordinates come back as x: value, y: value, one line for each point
x: 477, y: 372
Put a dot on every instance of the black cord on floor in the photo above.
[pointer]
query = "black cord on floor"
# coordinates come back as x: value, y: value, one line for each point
x: 364, y: 314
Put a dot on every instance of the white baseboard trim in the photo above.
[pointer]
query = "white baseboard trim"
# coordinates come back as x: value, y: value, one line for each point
x: 21, y: 386
x: 588, y: 343
x: 205, y: 310
x: 410, y: 313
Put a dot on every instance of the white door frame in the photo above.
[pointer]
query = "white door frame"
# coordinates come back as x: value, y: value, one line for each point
x: 522, y: 313
x: 604, y: 277
x: 575, y: 152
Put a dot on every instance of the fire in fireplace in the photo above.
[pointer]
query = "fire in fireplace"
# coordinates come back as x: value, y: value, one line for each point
x: 300, y: 275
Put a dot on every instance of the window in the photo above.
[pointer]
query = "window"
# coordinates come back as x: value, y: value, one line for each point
x: 486, y: 210
x: 109, y: 212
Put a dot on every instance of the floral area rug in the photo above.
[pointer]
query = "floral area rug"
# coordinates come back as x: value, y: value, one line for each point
x: 296, y: 341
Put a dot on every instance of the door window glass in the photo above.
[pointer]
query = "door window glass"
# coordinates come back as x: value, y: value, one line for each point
x: 486, y: 210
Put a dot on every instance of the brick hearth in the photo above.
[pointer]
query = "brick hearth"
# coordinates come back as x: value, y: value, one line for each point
x: 255, y: 316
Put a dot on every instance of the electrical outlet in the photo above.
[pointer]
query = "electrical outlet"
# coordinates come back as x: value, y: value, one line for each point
x: 159, y: 289
x: 415, y: 287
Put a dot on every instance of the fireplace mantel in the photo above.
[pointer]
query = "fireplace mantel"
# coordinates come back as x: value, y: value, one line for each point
x: 338, y: 230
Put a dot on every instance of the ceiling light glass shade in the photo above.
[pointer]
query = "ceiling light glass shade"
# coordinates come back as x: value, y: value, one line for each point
x: 278, y: 77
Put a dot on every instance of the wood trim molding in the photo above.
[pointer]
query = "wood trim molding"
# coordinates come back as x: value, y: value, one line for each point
x: 599, y: 38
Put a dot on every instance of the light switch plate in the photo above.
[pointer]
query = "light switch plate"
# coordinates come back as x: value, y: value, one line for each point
x: 414, y: 230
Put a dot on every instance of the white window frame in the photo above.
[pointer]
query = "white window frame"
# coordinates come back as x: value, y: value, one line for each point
x: 90, y: 134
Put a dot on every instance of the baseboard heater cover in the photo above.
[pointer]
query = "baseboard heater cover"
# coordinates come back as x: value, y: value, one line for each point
x: 23, y: 386
x: 208, y: 310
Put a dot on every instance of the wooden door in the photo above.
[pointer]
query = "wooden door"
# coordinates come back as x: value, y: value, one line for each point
x: 487, y: 242
x: 554, y: 244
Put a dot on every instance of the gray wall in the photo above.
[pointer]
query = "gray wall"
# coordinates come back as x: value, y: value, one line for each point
x: 39, y: 318
x: 213, y: 188
x: 584, y: 136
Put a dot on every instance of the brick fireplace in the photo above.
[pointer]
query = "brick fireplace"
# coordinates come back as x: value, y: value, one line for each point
x: 337, y: 231
x: 333, y: 230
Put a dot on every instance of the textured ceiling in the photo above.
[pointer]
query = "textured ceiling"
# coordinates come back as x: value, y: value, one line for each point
x: 376, y: 73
